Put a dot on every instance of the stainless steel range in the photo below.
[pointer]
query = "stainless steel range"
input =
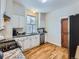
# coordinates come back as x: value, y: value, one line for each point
x: 11, y: 50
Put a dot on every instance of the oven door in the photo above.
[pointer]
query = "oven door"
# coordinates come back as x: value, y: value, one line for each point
x: 13, y: 54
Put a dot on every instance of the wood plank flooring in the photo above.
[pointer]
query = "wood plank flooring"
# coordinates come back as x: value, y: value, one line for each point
x: 47, y: 51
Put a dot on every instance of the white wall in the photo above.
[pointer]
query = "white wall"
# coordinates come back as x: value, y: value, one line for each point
x: 42, y: 20
x: 54, y: 22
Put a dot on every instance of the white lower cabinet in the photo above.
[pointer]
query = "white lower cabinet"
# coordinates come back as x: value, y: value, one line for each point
x: 35, y: 41
x: 19, y: 41
x: 28, y: 42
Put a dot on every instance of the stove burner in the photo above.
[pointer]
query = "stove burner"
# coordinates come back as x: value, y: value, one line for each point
x: 7, y: 45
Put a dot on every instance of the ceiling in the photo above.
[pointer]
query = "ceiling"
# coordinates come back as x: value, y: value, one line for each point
x: 48, y: 6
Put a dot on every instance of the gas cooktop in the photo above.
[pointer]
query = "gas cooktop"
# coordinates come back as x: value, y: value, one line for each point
x: 6, y: 45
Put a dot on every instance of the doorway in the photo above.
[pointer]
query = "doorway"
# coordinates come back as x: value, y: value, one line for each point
x: 64, y: 32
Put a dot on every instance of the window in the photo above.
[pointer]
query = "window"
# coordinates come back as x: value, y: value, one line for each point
x: 31, y: 25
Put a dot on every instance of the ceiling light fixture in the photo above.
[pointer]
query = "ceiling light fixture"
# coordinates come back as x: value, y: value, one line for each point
x: 43, y: 1
x: 34, y: 10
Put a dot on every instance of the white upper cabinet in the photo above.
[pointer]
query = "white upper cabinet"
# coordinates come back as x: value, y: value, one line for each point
x: 2, y: 6
x: 15, y: 22
x: 1, y: 24
x: 22, y: 21
x: 18, y: 8
x: 18, y: 21
x: 13, y: 7
x: 9, y: 7
x: 6, y: 7
x: 2, y: 11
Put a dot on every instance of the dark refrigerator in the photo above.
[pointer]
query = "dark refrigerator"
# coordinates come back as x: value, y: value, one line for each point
x: 74, y: 35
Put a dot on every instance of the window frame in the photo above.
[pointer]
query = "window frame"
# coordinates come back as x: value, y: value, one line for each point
x: 31, y: 24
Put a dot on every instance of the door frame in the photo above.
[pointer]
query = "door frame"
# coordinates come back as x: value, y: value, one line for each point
x: 63, y: 19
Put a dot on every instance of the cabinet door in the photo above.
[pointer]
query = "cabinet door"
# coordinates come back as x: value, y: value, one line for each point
x: 37, y: 38
x: 15, y: 22
x: 1, y: 24
x: 2, y: 6
x: 35, y: 41
x: 9, y: 7
x: 18, y: 21
x: 20, y: 42
x: 26, y: 43
x: 46, y: 37
x: 2, y: 10
x: 21, y: 21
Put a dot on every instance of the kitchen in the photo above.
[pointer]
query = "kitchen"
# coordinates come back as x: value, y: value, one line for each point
x: 39, y: 29
x: 14, y: 19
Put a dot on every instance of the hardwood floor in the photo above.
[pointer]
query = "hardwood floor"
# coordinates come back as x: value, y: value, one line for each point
x: 47, y: 51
